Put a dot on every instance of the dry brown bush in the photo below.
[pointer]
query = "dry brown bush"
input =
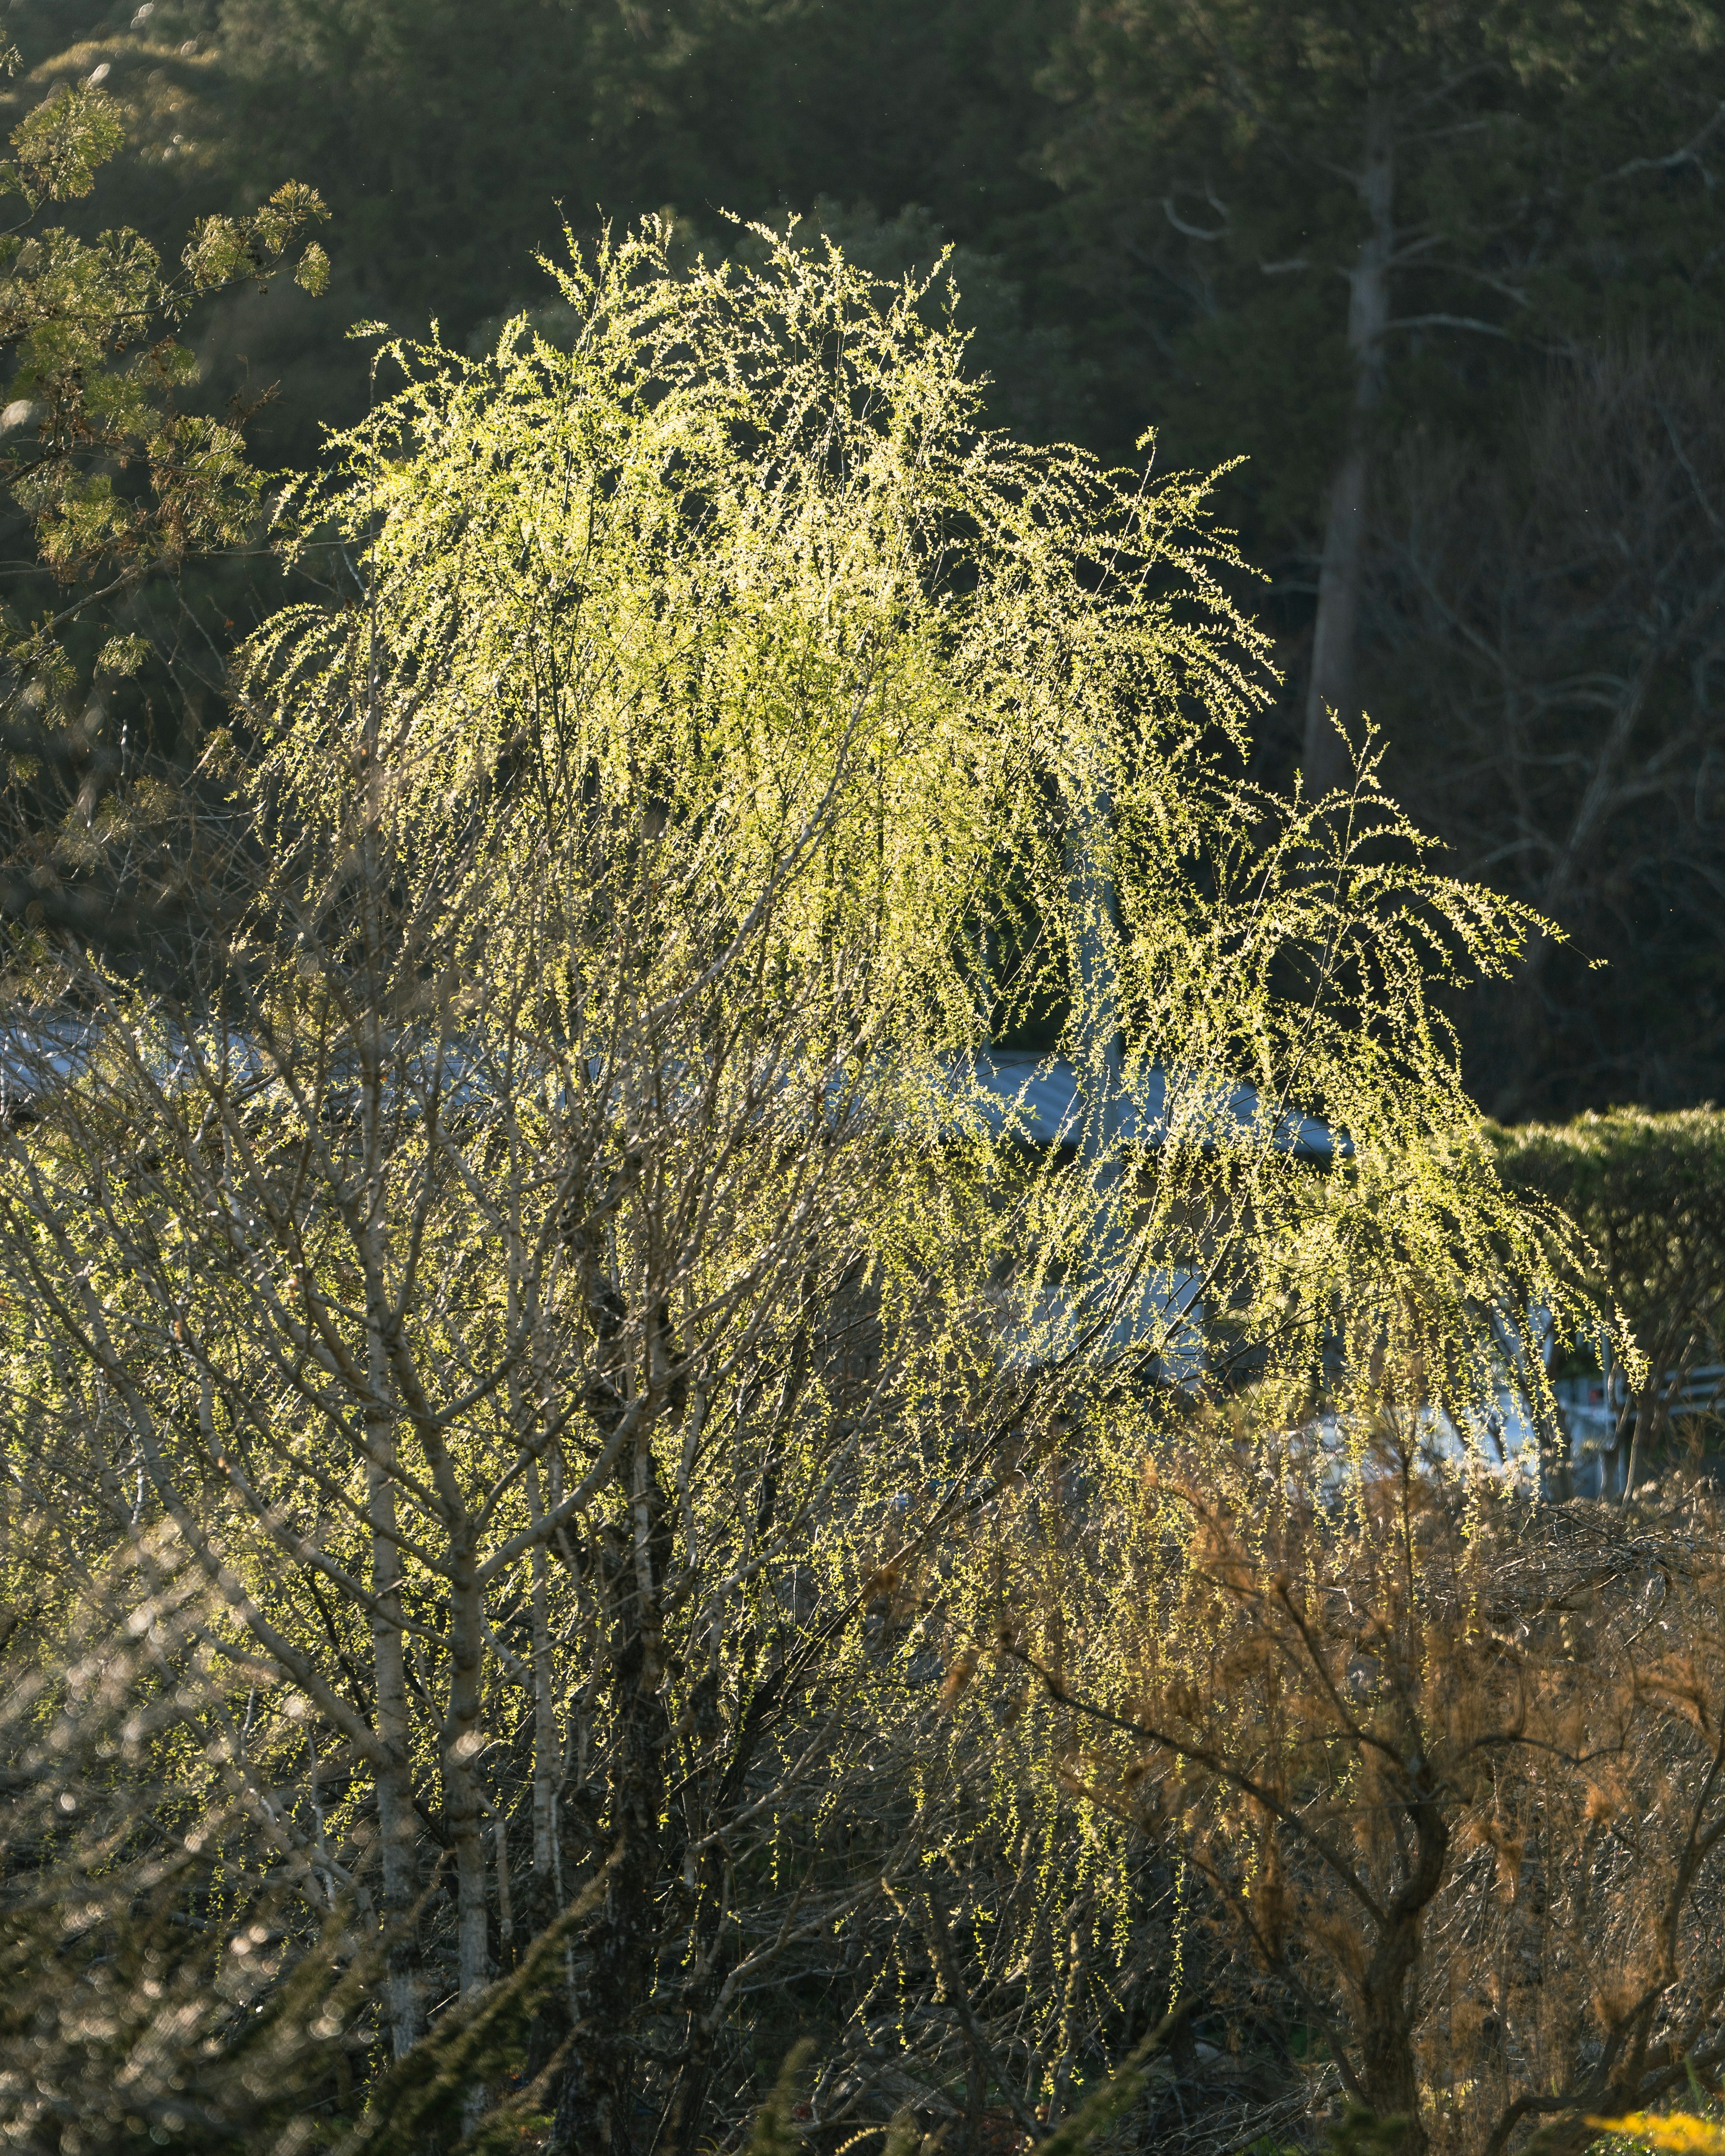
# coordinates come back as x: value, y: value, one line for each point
x: 1452, y: 1766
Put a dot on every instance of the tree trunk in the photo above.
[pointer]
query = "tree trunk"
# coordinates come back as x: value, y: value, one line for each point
x: 396, y: 1822
x: 1336, y: 636
x: 1388, y: 1995
x: 547, y: 1744
x: 554, y: 2012
x: 682, y: 2134
x: 713, y: 1793
x: 462, y: 1740
x: 595, y: 2111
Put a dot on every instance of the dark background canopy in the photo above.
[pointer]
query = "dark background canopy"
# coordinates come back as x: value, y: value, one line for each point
x: 1450, y: 282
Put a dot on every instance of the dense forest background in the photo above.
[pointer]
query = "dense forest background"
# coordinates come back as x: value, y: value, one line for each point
x: 1447, y: 282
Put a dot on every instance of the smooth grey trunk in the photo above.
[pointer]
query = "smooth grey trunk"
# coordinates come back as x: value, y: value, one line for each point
x: 1335, y: 640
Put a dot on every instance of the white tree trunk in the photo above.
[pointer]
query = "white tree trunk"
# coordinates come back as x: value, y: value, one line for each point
x: 1335, y: 639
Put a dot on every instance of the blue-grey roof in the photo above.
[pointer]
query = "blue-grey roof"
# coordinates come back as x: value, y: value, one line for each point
x: 1042, y: 1100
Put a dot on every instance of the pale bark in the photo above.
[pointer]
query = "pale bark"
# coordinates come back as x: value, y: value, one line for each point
x: 1331, y: 693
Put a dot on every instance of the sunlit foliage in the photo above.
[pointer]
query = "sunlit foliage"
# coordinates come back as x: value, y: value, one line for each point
x: 554, y: 1259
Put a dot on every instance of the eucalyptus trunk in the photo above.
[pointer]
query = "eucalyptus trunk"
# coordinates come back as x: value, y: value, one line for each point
x: 1331, y: 693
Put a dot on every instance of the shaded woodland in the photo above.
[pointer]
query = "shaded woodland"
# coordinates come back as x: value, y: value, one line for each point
x: 1450, y: 289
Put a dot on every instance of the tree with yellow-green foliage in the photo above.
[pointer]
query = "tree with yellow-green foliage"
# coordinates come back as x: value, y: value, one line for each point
x: 552, y: 1256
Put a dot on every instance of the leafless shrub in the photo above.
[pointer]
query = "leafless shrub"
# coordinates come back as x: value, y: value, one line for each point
x: 1452, y: 1769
